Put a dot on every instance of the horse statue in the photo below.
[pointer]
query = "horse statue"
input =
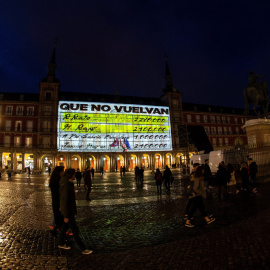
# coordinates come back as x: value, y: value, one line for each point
x: 258, y: 96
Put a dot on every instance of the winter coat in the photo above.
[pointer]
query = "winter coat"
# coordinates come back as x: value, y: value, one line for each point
x: 67, y: 198
x: 198, y: 187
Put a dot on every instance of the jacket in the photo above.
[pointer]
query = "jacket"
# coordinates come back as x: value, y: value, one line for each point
x: 67, y: 198
x: 198, y: 187
x: 87, y: 178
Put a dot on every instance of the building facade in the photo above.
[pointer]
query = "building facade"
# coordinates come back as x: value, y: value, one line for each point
x: 30, y: 129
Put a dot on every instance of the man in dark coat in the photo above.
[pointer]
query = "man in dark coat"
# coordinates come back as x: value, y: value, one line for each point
x: 69, y: 210
x: 87, y: 182
x: 253, y: 168
x: 167, y: 175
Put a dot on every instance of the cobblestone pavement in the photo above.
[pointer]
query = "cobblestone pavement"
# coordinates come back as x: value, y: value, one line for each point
x: 130, y: 227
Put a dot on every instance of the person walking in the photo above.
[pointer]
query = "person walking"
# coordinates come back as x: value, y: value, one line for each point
x: 78, y: 176
x: 199, y: 193
x: 223, y: 177
x: 56, y: 175
x: 121, y: 171
x: 124, y: 170
x: 93, y: 172
x: 253, y: 169
x: 167, y: 175
x: 69, y: 210
x: 207, y: 174
x: 158, y: 178
x: 87, y: 182
x: 244, y: 176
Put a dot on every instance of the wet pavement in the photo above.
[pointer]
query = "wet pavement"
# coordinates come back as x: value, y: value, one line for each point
x: 129, y: 227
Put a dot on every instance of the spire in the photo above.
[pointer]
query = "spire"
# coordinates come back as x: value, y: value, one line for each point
x: 52, y: 66
x: 168, y: 78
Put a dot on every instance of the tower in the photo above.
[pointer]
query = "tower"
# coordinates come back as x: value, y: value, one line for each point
x: 48, y: 99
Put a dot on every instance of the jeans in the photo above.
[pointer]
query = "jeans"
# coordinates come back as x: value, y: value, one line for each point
x: 76, y: 234
x: 197, y: 203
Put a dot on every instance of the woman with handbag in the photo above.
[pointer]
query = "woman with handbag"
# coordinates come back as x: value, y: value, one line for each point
x: 199, y: 193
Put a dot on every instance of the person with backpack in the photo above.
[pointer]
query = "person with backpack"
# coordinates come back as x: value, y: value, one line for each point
x: 158, y: 178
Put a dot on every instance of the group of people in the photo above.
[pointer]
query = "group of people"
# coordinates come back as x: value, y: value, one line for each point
x: 122, y: 171
x: 64, y: 206
x: 167, y: 177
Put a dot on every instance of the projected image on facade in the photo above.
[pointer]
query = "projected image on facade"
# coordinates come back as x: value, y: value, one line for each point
x: 108, y: 127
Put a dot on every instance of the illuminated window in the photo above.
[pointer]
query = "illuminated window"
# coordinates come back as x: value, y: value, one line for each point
x: 30, y: 110
x: 219, y: 130
x: 17, y: 141
x: 212, y: 119
x: 218, y: 119
x: 198, y: 119
x: 29, y: 126
x: 220, y: 140
x: 9, y: 110
x: 205, y: 118
x: 189, y: 118
x: 28, y: 142
x: 8, y: 125
x: 19, y: 110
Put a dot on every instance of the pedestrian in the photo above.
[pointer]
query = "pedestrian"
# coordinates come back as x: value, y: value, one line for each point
x: 253, y: 169
x: 101, y: 171
x: 158, y: 178
x: 137, y: 176
x: 78, y: 176
x: 121, y: 171
x: 199, y: 193
x: 124, y: 170
x: 167, y: 175
x: 141, y: 174
x: 223, y: 177
x: 49, y: 170
x: 55, y: 177
x: 93, y: 172
x: 69, y: 210
x: 232, y: 183
x: 28, y: 171
x: 244, y: 176
x: 87, y: 182
x: 190, y: 191
x: 207, y: 174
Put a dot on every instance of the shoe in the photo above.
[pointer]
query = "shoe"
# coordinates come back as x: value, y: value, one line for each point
x: 211, y: 220
x: 210, y: 216
x: 189, y: 225
x: 185, y: 217
x: 211, y: 187
x: 87, y: 251
x: 64, y: 246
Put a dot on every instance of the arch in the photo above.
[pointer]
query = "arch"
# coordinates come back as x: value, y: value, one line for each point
x: 168, y: 160
x: 90, y: 161
x: 145, y: 161
x: 118, y: 161
x: 62, y: 161
x: 46, y: 161
x: 132, y: 162
x: 75, y: 162
x: 158, y: 161
x: 105, y: 163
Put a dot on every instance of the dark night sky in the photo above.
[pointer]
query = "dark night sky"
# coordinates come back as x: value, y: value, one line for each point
x: 108, y: 46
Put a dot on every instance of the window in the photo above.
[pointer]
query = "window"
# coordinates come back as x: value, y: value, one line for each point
x: 230, y: 130
x: 226, y: 141
x: 9, y: 110
x: 198, y: 119
x: 205, y: 118
x: 207, y: 131
x: 28, y: 142
x: 19, y: 110
x: 236, y: 120
x: 175, y: 102
x: 220, y: 141
x: 218, y: 119
x: 224, y: 119
x: 29, y: 126
x: 214, y: 141
x: 18, y: 126
x: 46, y: 142
x: 48, y: 96
x: 47, y: 110
x: 30, y: 110
x: 213, y: 130
x: 252, y: 141
x: 237, y: 130
x: 189, y: 118
x: 8, y: 125
x: 7, y: 141
x: 212, y: 119
x: 17, y: 141
x: 228, y: 120
x: 46, y: 126
x: 219, y: 130
x: 225, y: 130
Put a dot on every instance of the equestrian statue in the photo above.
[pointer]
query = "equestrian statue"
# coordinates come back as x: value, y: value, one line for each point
x: 257, y: 94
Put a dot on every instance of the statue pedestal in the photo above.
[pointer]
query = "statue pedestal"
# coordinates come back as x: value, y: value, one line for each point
x: 258, y: 132
x: 258, y: 135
